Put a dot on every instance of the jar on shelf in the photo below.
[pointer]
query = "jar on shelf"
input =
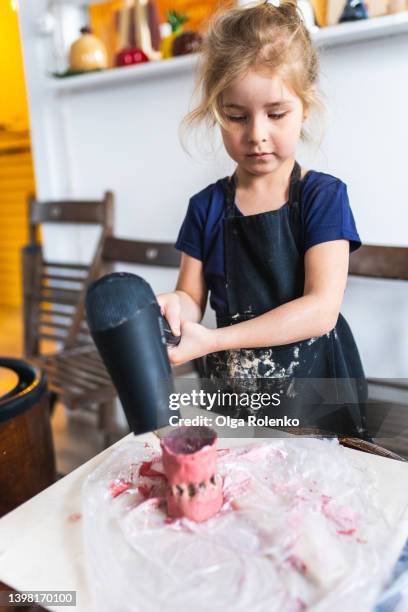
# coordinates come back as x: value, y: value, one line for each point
x: 88, y: 52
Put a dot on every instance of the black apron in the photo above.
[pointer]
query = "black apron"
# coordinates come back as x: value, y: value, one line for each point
x: 321, y: 380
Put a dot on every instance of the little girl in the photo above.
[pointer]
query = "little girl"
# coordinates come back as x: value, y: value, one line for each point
x: 270, y: 243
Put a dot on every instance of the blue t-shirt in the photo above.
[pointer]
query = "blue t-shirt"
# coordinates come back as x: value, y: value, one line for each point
x: 325, y: 215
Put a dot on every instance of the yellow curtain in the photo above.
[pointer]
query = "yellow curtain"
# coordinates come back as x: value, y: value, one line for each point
x: 16, y: 168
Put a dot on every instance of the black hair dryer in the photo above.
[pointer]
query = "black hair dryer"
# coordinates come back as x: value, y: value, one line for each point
x: 131, y: 336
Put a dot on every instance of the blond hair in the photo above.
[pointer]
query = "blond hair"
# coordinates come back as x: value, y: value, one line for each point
x: 258, y: 36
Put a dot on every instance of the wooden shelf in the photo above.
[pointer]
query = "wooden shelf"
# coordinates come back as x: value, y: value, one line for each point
x: 345, y: 33
x: 359, y: 31
x: 118, y: 76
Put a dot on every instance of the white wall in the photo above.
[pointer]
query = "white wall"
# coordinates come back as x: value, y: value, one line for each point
x: 125, y: 137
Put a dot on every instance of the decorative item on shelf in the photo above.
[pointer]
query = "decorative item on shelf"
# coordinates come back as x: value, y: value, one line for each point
x: 153, y: 21
x: 186, y: 42
x: 176, y: 21
x: 199, y: 12
x: 321, y: 8
x: 87, y: 53
x: 354, y: 10
x: 143, y: 35
x: 139, y: 33
x: 130, y: 56
x: 334, y: 9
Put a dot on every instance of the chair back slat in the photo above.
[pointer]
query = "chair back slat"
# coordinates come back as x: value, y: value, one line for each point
x: 161, y: 254
x: 66, y: 266
x: 376, y: 261
x: 68, y: 212
x: 50, y: 336
x: 54, y: 313
x: 62, y: 278
x: 50, y: 324
x: 59, y: 296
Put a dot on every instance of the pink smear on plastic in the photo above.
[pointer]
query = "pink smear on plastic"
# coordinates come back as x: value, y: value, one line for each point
x: 300, y: 604
x: 343, y: 516
x: 146, y: 469
x: 346, y: 531
x: 117, y: 487
x: 75, y: 517
x: 297, y: 564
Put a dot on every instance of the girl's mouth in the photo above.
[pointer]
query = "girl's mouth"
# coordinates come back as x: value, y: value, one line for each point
x: 260, y: 155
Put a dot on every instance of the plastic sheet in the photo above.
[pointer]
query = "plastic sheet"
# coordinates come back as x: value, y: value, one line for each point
x: 299, y: 529
x: 395, y: 595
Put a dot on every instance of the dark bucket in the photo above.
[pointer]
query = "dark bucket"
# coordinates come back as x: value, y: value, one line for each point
x: 27, y: 460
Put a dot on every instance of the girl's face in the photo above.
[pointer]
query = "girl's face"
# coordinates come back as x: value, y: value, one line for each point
x: 263, y: 119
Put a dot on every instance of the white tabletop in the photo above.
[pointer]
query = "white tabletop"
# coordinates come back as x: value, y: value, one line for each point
x: 41, y: 544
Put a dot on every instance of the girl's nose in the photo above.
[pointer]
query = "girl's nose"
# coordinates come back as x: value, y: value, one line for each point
x: 256, y: 131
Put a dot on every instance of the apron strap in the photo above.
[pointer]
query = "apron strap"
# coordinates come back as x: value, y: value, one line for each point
x: 295, y: 187
x: 231, y: 187
x: 230, y: 190
x: 294, y: 184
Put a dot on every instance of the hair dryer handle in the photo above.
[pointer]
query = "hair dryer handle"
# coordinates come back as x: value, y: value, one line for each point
x: 170, y: 339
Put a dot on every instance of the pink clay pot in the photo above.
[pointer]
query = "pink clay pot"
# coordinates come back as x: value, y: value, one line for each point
x: 190, y: 464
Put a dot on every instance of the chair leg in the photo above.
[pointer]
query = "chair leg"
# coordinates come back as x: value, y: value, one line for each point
x: 106, y: 421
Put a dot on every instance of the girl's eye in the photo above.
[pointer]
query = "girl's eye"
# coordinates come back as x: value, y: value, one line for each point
x: 235, y: 118
x: 242, y: 118
x: 277, y: 115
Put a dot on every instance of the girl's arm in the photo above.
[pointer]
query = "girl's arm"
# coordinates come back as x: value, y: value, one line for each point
x: 189, y: 300
x: 313, y: 314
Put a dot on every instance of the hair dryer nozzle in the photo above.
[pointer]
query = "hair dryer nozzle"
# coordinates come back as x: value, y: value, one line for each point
x: 126, y: 324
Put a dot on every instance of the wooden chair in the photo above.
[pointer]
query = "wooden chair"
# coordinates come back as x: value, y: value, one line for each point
x: 54, y: 292
x: 384, y: 262
x: 381, y: 262
x: 77, y: 373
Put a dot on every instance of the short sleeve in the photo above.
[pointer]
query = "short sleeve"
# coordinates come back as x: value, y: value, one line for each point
x: 191, y: 236
x: 328, y: 216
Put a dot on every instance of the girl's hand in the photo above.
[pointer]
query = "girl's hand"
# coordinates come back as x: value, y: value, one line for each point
x: 196, y: 341
x: 170, y: 306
